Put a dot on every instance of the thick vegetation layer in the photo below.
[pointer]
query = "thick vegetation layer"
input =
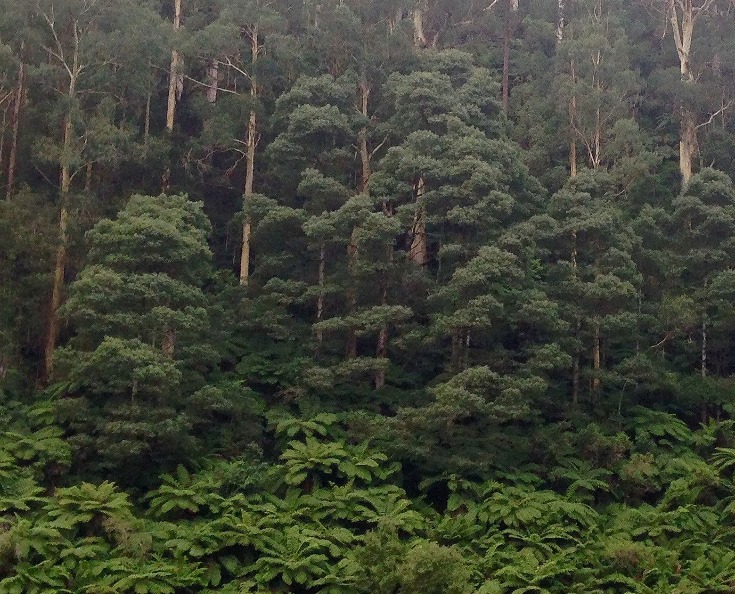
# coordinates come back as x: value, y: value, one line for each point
x: 394, y: 297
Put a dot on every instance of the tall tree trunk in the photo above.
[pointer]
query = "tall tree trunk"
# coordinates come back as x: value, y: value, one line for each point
x: 703, y: 353
x: 320, y: 296
x: 683, y: 16
x: 175, y: 83
x: 560, y: 16
x: 61, y: 249
x: 382, y: 348
x: 508, y: 30
x: 251, y: 143
x: 365, y: 172
x: 577, y: 329
x: 147, y: 121
x: 212, y: 80
x: 596, y: 359
x: 418, y: 252
x: 687, y: 144
x: 15, y: 123
x: 419, y: 34
x: 572, y: 119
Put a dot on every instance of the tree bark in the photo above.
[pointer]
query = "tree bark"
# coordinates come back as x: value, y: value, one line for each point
x: 168, y: 346
x: 65, y: 186
x: 175, y: 73
x: 365, y: 173
x: 418, y: 253
x: 15, y: 123
x: 560, y: 16
x: 251, y: 143
x: 382, y: 348
x: 63, y: 239
x: 320, y: 296
x: 419, y: 35
x: 596, y: 360
x: 212, y: 81
x: 508, y: 30
x: 175, y: 84
x: 683, y: 16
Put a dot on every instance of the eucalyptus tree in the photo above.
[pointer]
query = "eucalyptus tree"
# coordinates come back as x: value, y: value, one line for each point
x: 83, y: 41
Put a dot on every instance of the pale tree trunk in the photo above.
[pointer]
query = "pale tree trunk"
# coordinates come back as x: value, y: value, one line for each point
x: 320, y: 296
x: 15, y: 124
x: 683, y: 15
x: 212, y: 81
x: 74, y: 69
x: 175, y: 84
x: 419, y: 12
x: 365, y: 172
x: 596, y: 359
x: 418, y: 251
x: 511, y: 15
x: 560, y: 16
x: 250, y: 145
x: 61, y: 249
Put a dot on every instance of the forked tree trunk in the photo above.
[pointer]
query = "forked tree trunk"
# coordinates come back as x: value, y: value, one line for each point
x: 683, y: 15
x: 250, y: 145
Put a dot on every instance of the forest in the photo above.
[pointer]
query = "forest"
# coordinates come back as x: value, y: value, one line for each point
x: 367, y: 296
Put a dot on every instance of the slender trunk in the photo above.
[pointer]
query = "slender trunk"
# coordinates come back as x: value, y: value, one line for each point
x: 320, y: 296
x: 251, y: 143
x: 560, y: 21
x: 175, y: 73
x: 362, y: 141
x: 578, y: 328
x: 351, y: 346
x: 382, y: 347
x: 572, y: 119
x: 596, y: 360
x: 17, y: 103
x: 168, y: 346
x: 147, y: 122
x: 212, y: 81
x: 175, y: 84
x: 687, y: 144
x: 703, y: 354
x: 247, y: 197
x: 61, y: 249
x: 508, y: 29
x: 418, y: 250
x: 63, y: 239
x: 88, y: 175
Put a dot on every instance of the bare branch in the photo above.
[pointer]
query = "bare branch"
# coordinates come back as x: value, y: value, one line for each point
x: 720, y: 111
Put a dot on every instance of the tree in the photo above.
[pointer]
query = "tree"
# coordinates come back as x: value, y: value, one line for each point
x: 140, y: 323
